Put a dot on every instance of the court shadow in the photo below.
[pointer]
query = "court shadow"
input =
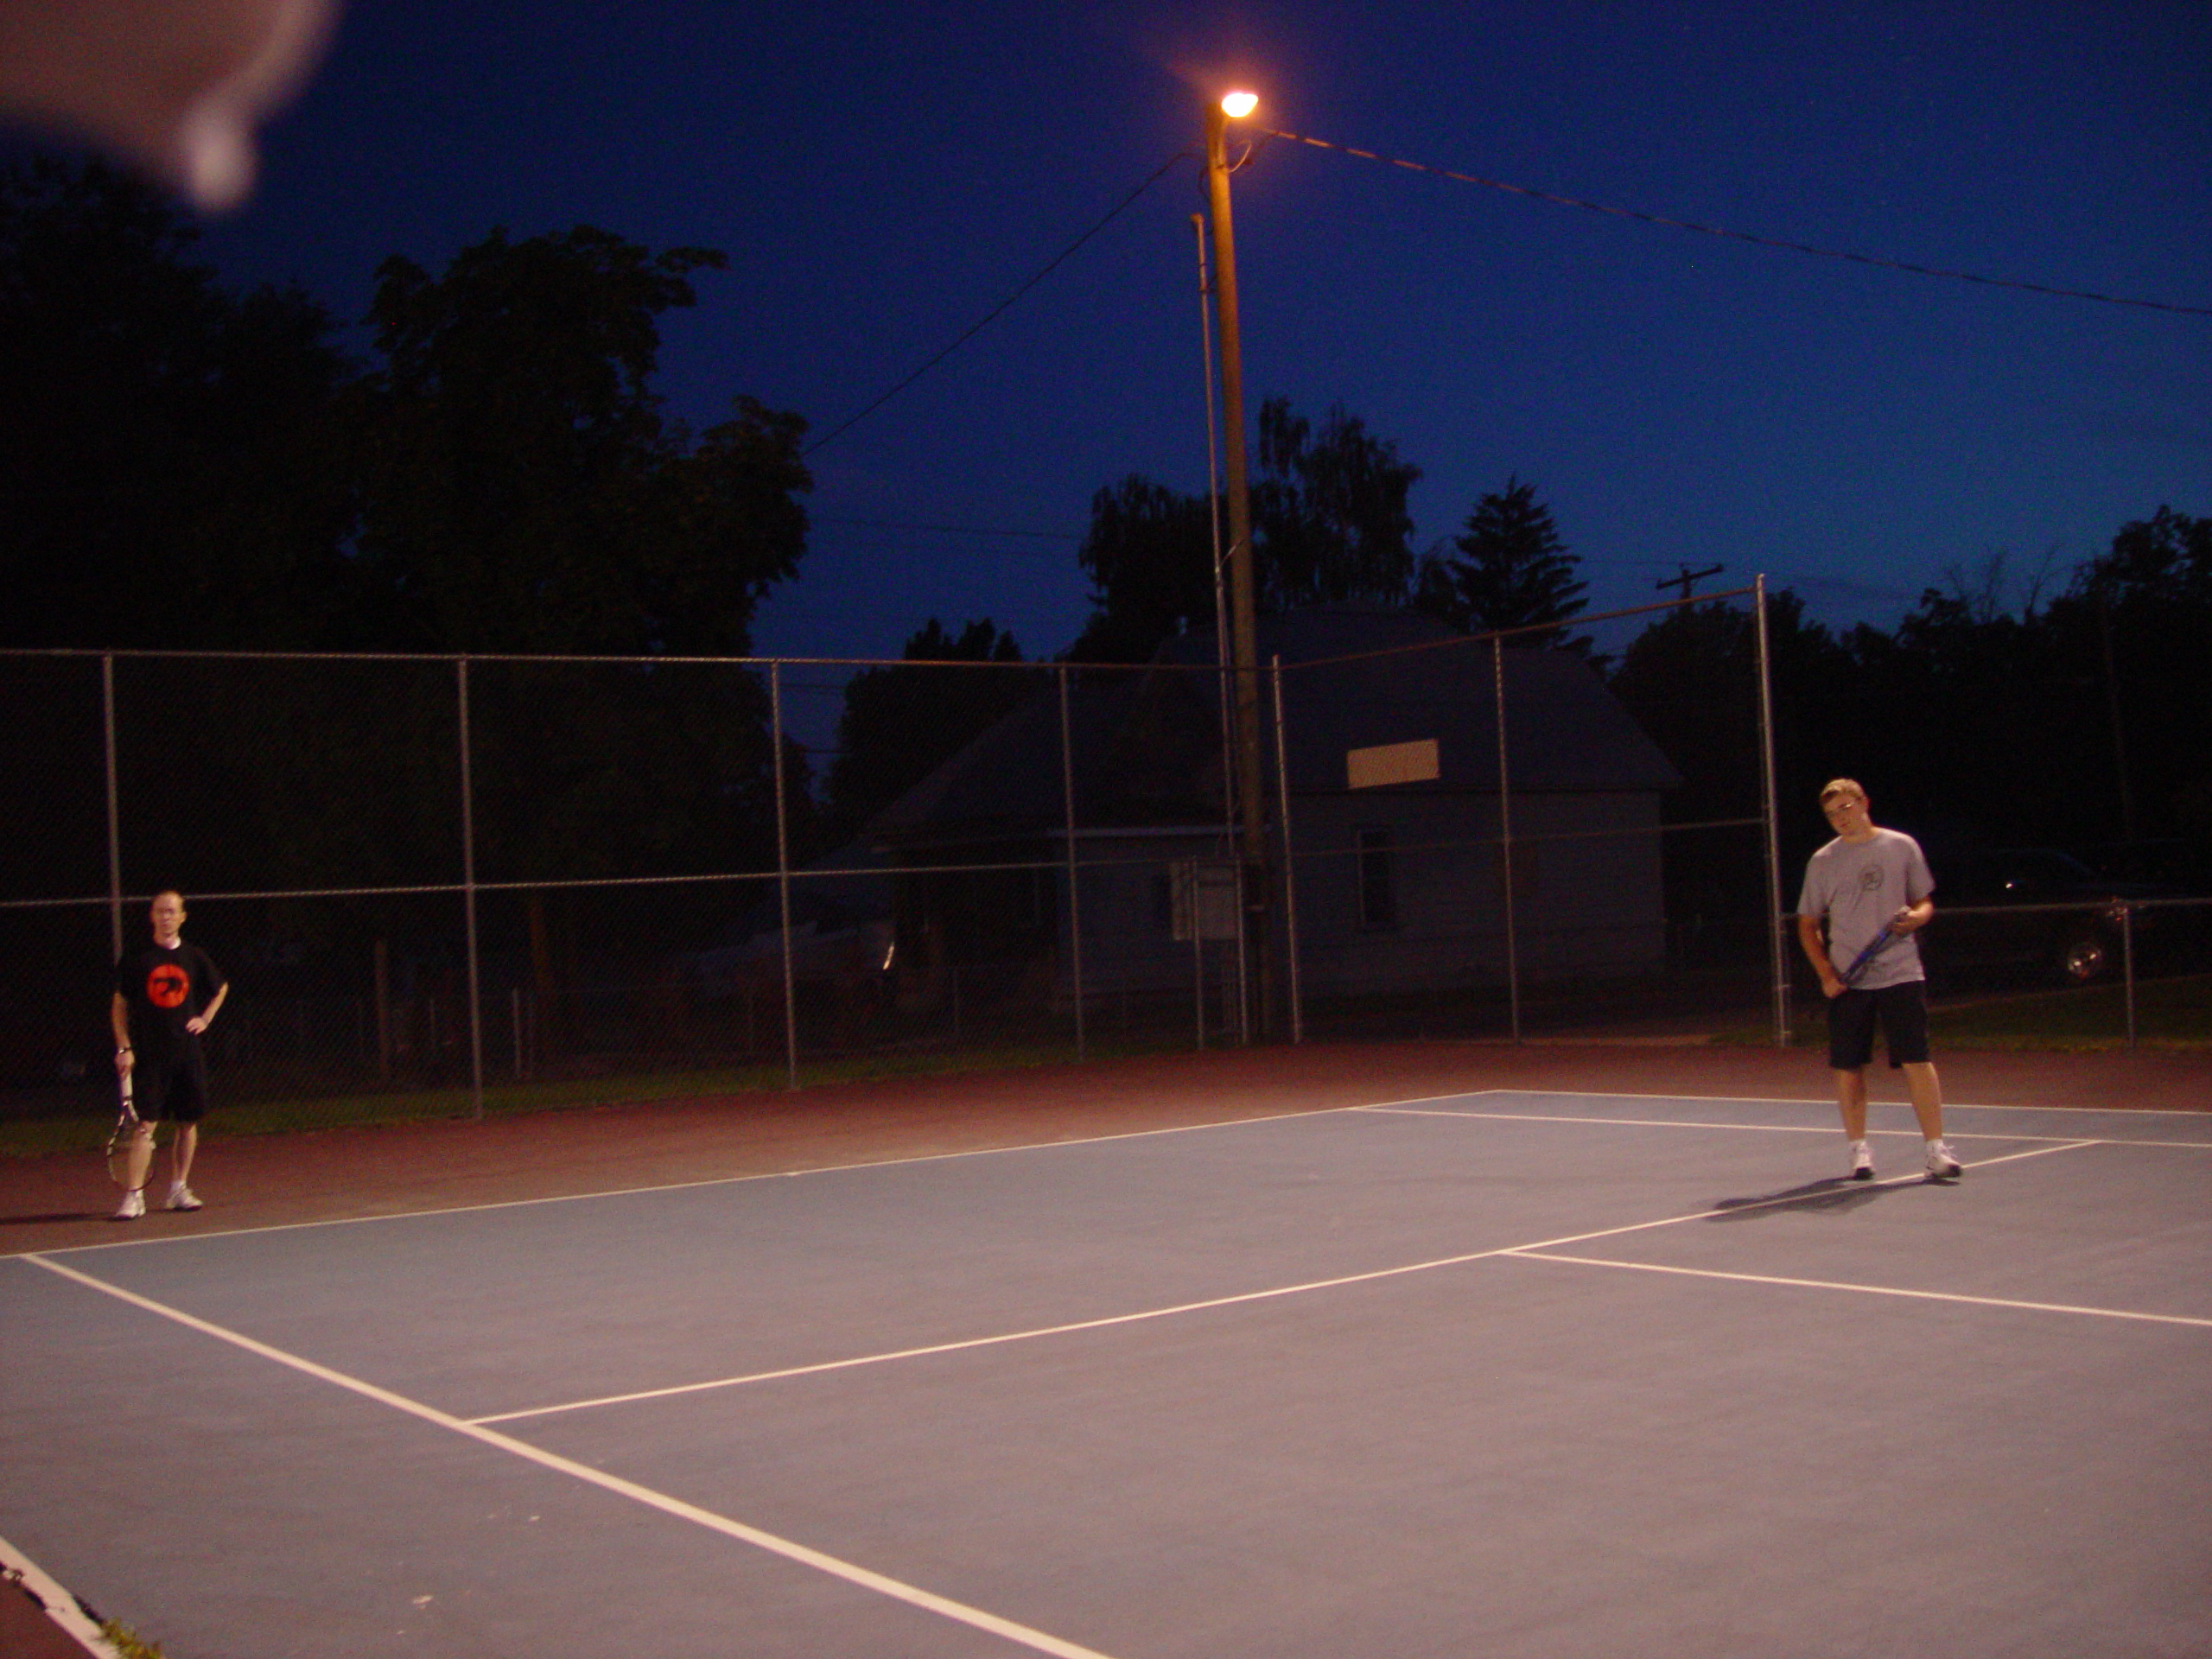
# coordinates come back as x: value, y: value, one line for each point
x: 1837, y: 1192
x: 57, y: 1215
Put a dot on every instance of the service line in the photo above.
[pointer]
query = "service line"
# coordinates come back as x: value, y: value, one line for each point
x: 928, y: 1601
x: 1237, y: 1299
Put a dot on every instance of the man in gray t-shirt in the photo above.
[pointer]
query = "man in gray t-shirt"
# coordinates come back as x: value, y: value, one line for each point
x: 1870, y: 889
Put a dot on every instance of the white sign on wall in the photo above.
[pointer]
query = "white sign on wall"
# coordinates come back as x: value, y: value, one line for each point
x: 1391, y: 763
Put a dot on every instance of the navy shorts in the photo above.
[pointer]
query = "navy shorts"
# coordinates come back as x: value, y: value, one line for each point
x: 1901, y: 1011
x: 175, y: 1088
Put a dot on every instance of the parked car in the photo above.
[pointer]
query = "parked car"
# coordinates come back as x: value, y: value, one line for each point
x: 2040, y: 912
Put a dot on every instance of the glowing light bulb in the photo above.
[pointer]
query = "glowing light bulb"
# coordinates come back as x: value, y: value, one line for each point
x: 1238, y: 105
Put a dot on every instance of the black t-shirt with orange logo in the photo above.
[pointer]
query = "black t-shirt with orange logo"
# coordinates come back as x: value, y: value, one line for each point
x: 164, y: 988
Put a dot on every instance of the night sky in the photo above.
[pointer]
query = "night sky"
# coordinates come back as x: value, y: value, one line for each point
x: 881, y: 175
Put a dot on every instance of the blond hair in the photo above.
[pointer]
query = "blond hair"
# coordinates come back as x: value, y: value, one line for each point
x: 1839, y: 786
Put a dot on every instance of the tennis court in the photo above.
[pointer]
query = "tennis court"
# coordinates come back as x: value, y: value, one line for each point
x: 1504, y: 1371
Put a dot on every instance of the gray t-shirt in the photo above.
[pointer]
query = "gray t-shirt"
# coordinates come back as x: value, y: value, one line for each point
x: 1857, y: 886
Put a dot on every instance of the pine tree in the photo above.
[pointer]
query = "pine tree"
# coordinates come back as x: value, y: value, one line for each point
x: 1513, y: 571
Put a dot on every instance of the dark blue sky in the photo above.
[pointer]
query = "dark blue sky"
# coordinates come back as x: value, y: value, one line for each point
x: 882, y: 175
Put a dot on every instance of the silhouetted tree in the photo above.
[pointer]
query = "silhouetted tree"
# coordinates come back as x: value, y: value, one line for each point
x: 2132, y: 637
x: 899, y: 724
x: 1691, y: 679
x: 1149, y: 555
x: 1329, y: 524
x: 525, y: 491
x: 170, y: 473
x: 1329, y: 512
x: 1513, y: 571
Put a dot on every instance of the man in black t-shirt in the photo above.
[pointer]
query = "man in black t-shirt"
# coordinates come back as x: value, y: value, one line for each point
x: 165, y: 995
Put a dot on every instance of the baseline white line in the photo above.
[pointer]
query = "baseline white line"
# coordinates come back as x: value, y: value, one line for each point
x: 66, y: 1611
x: 1808, y: 1100
x: 1766, y: 1128
x: 1239, y: 1298
x: 1862, y: 1290
x: 739, y: 1181
x: 864, y: 1578
x: 715, y: 1180
x: 1623, y: 1122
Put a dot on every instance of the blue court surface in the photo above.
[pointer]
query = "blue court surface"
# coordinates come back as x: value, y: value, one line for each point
x: 1499, y: 1374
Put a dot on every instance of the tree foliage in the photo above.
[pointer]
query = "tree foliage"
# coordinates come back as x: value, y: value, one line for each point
x: 1328, y: 514
x: 1329, y: 524
x: 2085, y: 724
x: 899, y: 724
x: 182, y: 465
x: 1149, y: 556
x: 170, y: 468
x: 524, y: 490
x: 1513, y: 571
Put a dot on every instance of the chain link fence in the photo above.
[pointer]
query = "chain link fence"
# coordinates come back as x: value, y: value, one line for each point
x: 437, y: 882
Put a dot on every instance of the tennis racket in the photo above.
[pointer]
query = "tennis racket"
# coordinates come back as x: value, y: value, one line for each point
x: 118, y: 1143
x: 1874, y: 947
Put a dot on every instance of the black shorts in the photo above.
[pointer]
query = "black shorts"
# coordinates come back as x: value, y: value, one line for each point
x: 173, y: 1087
x: 1901, y: 1011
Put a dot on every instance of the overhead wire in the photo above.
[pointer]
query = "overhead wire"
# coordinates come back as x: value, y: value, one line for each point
x: 993, y: 314
x: 948, y: 529
x: 1777, y: 243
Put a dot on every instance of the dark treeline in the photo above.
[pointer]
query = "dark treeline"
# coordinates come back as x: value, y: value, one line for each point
x: 2081, y: 722
x: 2080, y: 718
x: 493, y: 471
x: 187, y: 467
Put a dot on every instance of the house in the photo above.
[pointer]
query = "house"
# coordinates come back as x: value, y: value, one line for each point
x: 1398, y: 878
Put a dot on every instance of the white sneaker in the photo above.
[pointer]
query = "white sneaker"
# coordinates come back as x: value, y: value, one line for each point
x: 134, y: 1205
x: 182, y: 1198
x: 1942, y: 1166
x: 1862, y: 1161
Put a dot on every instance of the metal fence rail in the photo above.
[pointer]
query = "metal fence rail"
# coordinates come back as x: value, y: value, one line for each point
x: 445, y: 873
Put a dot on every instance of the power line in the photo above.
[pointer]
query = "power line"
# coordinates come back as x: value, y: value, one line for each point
x: 948, y: 529
x: 1745, y: 236
x: 991, y: 315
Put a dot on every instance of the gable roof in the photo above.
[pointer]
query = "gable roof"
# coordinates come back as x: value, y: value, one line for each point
x: 1148, y: 740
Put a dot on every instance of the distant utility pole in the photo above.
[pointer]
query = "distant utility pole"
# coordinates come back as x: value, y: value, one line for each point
x: 1688, y: 577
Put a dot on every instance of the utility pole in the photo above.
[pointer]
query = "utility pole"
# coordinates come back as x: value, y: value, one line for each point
x: 1243, y: 623
x: 1688, y: 578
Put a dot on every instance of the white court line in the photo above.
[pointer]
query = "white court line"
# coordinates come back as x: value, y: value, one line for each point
x: 1864, y: 1290
x: 1762, y: 1128
x: 66, y: 1611
x: 1237, y: 1300
x: 739, y: 1181
x: 1800, y: 1100
x: 720, y: 1180
x: 928, y: 1601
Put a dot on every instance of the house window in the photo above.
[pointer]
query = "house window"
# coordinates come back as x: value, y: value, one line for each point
x: 1378, y: 880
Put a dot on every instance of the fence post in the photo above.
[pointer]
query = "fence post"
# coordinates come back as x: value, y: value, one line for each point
x: 2127, y: 968
x: 1770, y: 807
x: 114, y: 815
x: 1289, y: 873
x: 1198, y: 954
x: 468, y: 891
x: 1506, y: 836
x: 1075, y: 912
x: 783, y: 872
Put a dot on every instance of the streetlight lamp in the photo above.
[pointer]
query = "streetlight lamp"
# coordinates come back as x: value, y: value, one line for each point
x: 1243, y: 628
